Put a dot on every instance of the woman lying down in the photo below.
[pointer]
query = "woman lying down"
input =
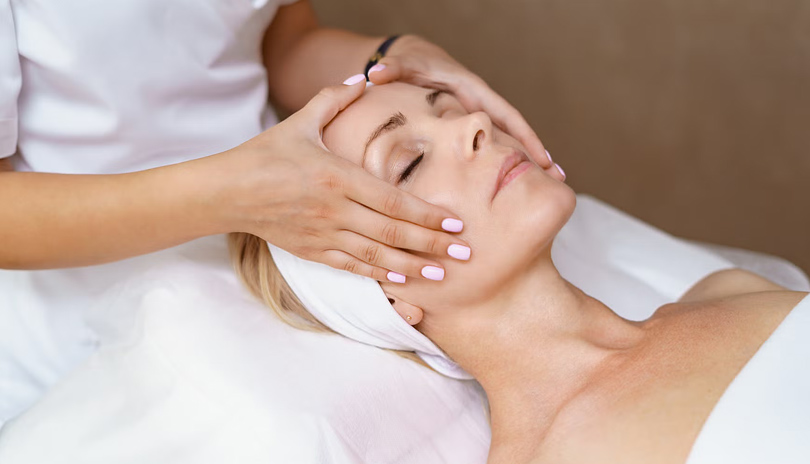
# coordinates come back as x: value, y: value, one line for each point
x: 567, y: 379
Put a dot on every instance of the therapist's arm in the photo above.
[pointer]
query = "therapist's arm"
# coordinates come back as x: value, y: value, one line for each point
x: 61, y: 220
x: 278, y: 186
x: 301, y: 57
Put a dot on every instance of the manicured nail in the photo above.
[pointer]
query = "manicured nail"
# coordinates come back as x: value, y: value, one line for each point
x: 376, y: 67
x: 561, y: 170
x: 459, y: 252
x: 394, y: 277
x: 354, y: 79
x: 452, y: 225
x: 433, y: 272
x: 549, y: 157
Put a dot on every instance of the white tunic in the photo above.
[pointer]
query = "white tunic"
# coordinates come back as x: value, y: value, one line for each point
x: 92, y: 86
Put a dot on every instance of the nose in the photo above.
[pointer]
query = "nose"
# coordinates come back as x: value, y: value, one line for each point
x: 476, y: 131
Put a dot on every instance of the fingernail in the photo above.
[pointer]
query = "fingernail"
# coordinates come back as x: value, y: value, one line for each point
x: 354, y: 79
x: 376, y: 67
x: 459, y: 252
x: 452, y: 225
x: 561, y: 170
x: 433, y: 273
x: 549, y: 157
x: 394, y: 277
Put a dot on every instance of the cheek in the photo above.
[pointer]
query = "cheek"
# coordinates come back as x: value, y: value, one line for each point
x: 505, y: 240
x: 442, y: 188
x: 509, y: 240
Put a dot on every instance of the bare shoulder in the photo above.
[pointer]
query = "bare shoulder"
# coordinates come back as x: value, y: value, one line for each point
x: 663, y: 394
x: 727, y: 283
x: 744, y: 304
x: 5, y: 165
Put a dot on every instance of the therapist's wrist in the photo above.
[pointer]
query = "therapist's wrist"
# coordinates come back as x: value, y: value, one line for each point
x: 200, y: 187
x: 229, y: 186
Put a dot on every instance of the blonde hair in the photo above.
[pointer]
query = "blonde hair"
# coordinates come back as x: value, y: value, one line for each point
x: 255, y: 267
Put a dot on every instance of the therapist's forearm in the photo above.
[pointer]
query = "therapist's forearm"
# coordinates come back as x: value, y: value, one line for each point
x: 60, y: 220
x: 302, y: 58
x: 322, y: 58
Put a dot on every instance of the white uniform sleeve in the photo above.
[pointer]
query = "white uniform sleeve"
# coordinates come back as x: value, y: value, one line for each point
x: 10, y: 81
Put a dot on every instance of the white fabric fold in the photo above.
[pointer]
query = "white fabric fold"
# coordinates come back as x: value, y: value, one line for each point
x: 356, y: 307
x: 10, y: 80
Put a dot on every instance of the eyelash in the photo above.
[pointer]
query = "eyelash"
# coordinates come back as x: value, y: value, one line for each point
x: 411, y: 167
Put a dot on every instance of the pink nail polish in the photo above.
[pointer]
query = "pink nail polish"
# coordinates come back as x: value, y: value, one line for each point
x: 549, y: 157
x: 395, y: 277
x: 354, y: 79
x: 376, y: 67
x: 433, y: 273
x: 459, y: 252
x: 452, y: 225
x: 561, y: 170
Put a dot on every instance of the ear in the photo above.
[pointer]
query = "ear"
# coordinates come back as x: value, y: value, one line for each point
x: 412, y: 314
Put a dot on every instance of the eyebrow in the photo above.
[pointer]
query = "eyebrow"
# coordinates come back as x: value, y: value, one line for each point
x: 398, y: 120
x: 432, y: 96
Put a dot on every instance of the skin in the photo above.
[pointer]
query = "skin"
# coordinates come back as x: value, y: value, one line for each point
x: 581, y: 384
x: 282, y: 185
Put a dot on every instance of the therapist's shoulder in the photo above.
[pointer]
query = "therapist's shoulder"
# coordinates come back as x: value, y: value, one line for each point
x: 729, y: 283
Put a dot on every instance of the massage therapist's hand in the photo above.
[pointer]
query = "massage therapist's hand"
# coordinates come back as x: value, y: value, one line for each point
x: 285, y: 187
x: 414, y: 60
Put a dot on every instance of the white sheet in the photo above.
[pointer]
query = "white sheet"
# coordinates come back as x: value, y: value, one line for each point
x: 191, y: 369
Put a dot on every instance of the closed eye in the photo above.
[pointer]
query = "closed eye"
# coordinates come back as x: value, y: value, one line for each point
x: 411, y: 167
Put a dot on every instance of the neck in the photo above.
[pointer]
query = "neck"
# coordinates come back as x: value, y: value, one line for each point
x: 534, y: 347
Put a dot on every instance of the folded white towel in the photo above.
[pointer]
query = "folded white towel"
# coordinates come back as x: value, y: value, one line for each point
x: 356, y: 307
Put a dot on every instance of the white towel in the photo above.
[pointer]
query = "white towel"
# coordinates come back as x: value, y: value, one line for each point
x: 356, y: 307
x: 764, y: 414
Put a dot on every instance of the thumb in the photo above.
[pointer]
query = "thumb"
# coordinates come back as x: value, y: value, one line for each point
x: 332, y: 100
x: 389, y: 69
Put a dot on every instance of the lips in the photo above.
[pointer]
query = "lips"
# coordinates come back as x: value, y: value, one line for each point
x: 509, y: 163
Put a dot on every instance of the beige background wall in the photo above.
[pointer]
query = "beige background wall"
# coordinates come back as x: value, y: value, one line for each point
x: 693, y: 115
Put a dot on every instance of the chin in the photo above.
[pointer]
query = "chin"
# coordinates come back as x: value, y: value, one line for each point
x: 511, y: 241
x: 547, y: 209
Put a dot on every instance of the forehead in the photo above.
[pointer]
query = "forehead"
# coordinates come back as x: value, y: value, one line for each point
x: 347, y: 134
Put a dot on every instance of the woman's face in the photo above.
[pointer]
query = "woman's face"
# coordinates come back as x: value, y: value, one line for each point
x: 427, y: 144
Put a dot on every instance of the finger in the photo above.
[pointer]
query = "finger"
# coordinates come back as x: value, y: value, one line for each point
x: 384, y: 198
x: 479, y: 96
x: 332, y: 100
x: 385, y: 71
x: 556, y: 172
x: 383, y: 256
x: 412, y: 71
x: 346, y: 262
x: 401, y: 234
